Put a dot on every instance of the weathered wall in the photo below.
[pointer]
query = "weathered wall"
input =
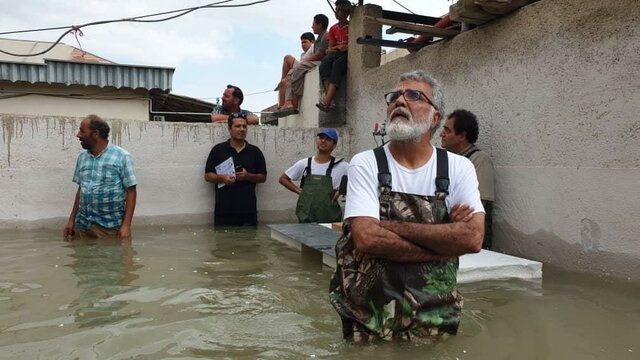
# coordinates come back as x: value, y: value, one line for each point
x: 556, y: 88
x: 38, y: 154
x: 310, y: 116
x: 112, y: 103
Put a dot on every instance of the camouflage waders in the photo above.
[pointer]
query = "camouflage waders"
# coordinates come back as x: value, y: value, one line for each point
x: 380, y: 298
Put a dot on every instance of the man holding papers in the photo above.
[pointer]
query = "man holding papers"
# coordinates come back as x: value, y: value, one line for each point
x: 236, y: 167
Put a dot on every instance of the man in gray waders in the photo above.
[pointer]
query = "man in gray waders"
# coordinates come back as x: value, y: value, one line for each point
x: 411, y: 210
x: 320, y: 178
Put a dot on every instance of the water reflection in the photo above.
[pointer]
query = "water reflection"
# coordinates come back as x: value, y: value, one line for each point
x: 235, y: 253
x: 104, y: 268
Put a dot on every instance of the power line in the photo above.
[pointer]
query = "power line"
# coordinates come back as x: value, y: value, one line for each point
x: 245, y: 95
x: 331, y: 6
x: 76, y: 29
x: 260, y: 92
x: 404, y: 7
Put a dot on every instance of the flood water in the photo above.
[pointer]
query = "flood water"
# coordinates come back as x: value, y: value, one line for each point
x: 194, y: 292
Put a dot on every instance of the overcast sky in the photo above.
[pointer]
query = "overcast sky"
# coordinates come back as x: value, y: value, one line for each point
x: 209, y: 48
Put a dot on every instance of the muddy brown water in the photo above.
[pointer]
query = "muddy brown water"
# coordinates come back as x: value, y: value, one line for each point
x: 193, y: 292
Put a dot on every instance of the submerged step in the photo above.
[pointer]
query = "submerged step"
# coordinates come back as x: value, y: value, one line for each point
x: 485, y: 265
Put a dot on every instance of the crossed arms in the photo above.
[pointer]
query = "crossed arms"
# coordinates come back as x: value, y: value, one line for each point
x: 414, y: 242
x: 252, y: 119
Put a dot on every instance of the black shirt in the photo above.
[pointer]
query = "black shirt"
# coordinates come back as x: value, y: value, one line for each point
x: 240, y: 197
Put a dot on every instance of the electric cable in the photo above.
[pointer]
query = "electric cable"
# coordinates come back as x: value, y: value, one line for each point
x: 331, y: 6
x: 245, y: 95
x: 404, y: 7
x: 77, y: 28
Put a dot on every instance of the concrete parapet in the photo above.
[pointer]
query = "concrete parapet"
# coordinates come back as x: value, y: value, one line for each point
x: 38, y: 156
x: 310, y: 116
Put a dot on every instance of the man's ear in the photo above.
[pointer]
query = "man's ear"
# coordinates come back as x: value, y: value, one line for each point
x: 435, y: 121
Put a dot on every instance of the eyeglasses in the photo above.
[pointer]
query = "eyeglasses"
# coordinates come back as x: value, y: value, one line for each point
x: 409, y: 95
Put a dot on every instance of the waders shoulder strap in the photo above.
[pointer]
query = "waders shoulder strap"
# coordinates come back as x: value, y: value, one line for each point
x: 384, y: 176
x: 306, y: 172
x: 331, y: 164
x: 442, y: 174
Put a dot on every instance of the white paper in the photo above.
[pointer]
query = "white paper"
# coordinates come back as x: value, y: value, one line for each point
x: 226, y: 168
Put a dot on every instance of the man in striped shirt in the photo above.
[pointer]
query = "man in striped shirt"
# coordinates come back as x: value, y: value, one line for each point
x: 106, y: 196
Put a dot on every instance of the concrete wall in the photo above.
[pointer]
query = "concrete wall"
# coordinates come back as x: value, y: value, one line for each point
x: 309, y: 113
x: 38, y: 155
x: 310, y: 116
x: 111, y: 103
x: 555, y: 86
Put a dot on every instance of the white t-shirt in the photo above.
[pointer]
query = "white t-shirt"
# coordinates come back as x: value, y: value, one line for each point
x: 362, y: 190
x: 297, y: 170
x: 307, y: 54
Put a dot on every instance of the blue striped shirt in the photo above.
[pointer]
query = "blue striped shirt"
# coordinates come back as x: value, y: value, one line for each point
x: 103, y: 181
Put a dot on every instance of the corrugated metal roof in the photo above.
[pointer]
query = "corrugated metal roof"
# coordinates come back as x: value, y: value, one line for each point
x: 102, y: 75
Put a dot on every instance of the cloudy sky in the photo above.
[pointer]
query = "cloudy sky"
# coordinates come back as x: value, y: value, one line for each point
x: 209, y: 48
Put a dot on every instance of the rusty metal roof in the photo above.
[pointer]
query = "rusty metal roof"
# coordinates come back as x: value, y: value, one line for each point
x: 88, y: 74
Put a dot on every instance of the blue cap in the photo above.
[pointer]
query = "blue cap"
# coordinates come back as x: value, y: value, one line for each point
x: 330, y: 133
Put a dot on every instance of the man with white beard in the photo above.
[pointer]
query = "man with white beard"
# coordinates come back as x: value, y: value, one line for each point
x: 411, y: 210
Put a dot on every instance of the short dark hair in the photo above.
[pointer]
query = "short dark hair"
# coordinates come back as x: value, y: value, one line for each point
x: 307, y: 36
x: 345, y: 4
x: 237, y: 93
x: 236, y: 116
x: 465, y: 121
x: 96, y: 123
x: 322, y: 19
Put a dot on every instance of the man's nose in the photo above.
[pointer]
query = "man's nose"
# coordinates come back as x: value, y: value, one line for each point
x: 401, y: 101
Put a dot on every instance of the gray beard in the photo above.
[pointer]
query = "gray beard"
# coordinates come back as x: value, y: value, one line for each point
x: 411, y: 131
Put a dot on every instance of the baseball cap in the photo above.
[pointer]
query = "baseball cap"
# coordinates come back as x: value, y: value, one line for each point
x: 346, y: 2
x: 330, y: 133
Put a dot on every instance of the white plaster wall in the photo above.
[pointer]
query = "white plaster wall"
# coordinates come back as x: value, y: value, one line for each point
x: 555, y: 87
x: 38, y: 155
x: 44, y: 105
x: 113, y: 103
